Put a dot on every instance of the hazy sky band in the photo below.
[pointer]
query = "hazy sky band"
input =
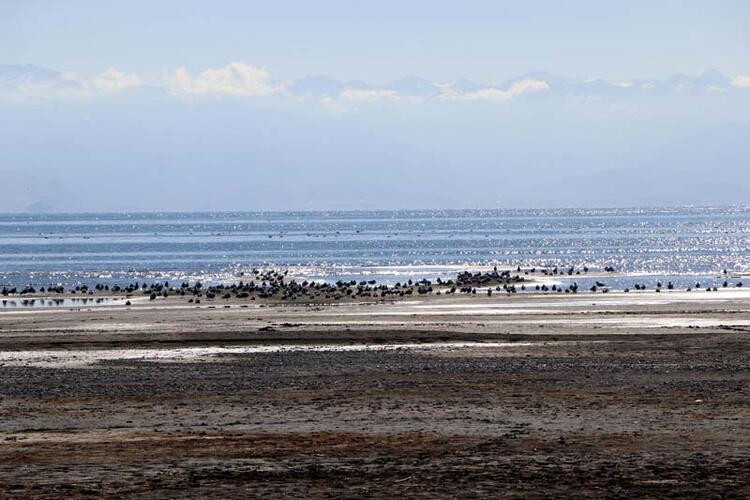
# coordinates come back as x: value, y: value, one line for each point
x: 486, y: 41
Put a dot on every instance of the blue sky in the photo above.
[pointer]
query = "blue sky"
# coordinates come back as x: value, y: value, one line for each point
x: 385, y: 40
x: 322, y: 105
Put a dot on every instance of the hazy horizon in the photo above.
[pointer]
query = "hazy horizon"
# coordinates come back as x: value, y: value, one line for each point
x: 640, y: 209
x: 241, y: 106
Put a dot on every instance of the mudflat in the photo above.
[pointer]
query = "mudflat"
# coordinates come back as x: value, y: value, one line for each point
x: 530, y: 395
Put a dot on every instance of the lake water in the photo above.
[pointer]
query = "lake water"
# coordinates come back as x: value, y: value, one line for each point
x: 683, y: 245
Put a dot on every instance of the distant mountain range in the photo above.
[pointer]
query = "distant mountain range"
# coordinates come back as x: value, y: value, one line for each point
x: 17, y: 75
x: 708, y: 82
x: 36, y: 78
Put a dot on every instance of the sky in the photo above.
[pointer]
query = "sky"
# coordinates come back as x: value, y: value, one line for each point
x: 186, y: 105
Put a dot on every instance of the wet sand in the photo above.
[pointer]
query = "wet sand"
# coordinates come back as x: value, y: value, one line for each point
x: 529, y: 395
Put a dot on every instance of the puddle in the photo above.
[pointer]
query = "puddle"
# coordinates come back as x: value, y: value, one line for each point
x: 489, y: 311
x: 80, y: 359
x: 42, y: 302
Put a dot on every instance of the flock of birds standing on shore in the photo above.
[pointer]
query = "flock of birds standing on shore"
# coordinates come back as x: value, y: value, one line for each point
x: 279, y: 286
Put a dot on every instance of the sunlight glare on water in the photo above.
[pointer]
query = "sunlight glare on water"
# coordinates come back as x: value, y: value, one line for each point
x: 682, y: 245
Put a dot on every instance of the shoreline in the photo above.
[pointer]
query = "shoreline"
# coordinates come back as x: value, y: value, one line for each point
x: 464, y: 317
x: 643, y: 393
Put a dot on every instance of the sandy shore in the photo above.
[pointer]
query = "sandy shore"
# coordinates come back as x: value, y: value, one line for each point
x: 529, y: 395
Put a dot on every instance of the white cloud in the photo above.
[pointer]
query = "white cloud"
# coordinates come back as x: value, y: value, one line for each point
x: 626, y: 84
x: 370, y: 95
x: 113, y: 80
x: 348, y: 99
x: 333, y: 105
x: 69, y: 76
x: 494, y: 94
x: 448, y: 93
x: 64, y: 84
x: 236, y: 78
x: 36, y: 84
x: 741, y: 81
